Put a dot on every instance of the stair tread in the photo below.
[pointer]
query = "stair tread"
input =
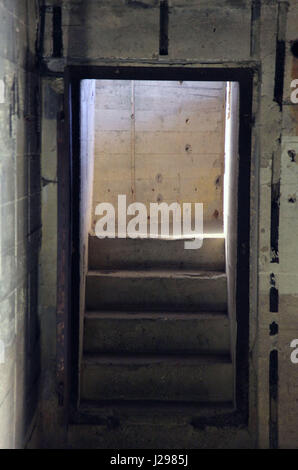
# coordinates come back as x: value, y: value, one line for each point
x: 118, y: 315
x: 131, y: 359
x: 200, y: 378
x: 170, y: 414
x: 159, y: 273
x: 182, y: 238
x: 146, y: 406
x: 155, y: 290
x: 155, y: 253
x: 146, y: 411
x: 159, y: 332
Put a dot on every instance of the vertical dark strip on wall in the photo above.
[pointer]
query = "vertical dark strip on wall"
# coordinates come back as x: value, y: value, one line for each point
x: 40, y: 35
x: 279, y: 72
x: 273, y: 397
x: 273, y: 300
x: 57, y: 32
x: 164, y: 28
x: 274, y: 232
x: 280, y: 53
x: 243, y: 248
x: 63, y: 273
x: 273, y: 295
x: 255, y: 26
x: 74, y: 320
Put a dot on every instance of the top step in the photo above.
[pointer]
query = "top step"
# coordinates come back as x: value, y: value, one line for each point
x: 130, y: 253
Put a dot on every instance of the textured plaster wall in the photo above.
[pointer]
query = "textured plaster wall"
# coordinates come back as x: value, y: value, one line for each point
x: 20, y: 221
x: 218, y: 33
x: 87, y: 176
x: 231, y: 202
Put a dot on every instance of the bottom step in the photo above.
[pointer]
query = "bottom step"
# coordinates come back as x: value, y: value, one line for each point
x: 157, y: 436
x: 174, y: 378
x: 156, y: 425
x: 115, y: 413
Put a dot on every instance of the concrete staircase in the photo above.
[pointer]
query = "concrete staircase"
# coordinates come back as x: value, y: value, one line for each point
x: 156, y: 337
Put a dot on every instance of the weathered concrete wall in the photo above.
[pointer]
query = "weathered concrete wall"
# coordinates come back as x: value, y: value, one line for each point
x: 160, y: 142
x: 225, y: 33
x: 231, y: 202
x: 52, y: 91
x: 20, y: 221
x: 88, y: 96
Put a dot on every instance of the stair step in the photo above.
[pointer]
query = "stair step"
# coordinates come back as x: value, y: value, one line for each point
x: 158, y: 436
x: 154, y: 412
x: 117, y: 332
x: 154, y: 253
x: 157, y: 289
x: 175, y: 378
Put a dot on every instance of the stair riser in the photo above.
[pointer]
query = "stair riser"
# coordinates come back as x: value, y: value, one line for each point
x: 157, y: 335
x: 211, y: 382
x: 150, y: 253
x: 156, y: 293
x: 158, y: 436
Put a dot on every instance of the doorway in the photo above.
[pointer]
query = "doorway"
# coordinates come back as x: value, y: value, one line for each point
x: 233, y: 174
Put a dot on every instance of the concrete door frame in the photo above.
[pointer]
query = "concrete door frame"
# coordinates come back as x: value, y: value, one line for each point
x: 68, y: 314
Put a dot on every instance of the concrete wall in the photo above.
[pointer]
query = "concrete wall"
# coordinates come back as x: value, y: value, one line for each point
x: 231, y: 202
x: 224, y: 33
x: 52, y: 92
x: 20, y: 221
x: 160, y: 142
x: 87, y: 177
